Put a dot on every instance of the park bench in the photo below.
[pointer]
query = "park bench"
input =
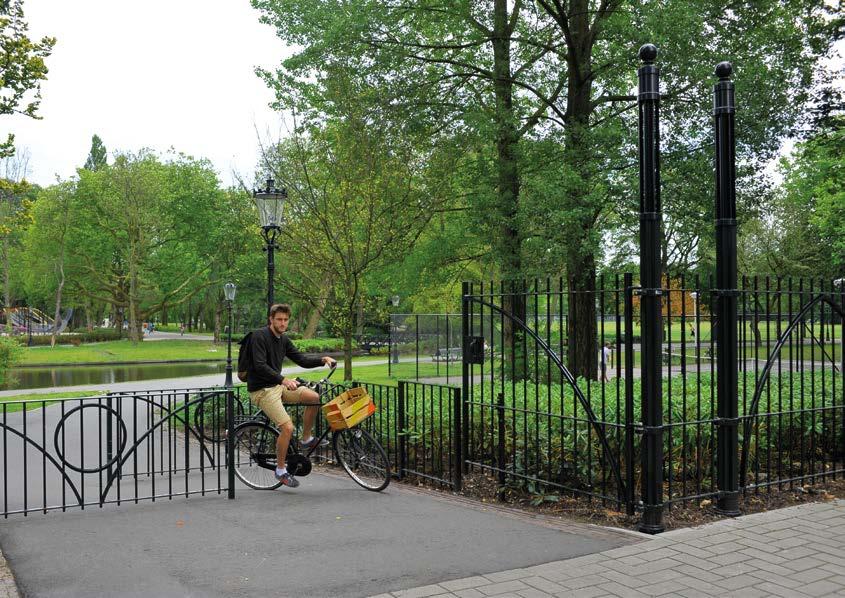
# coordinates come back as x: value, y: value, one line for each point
x: 450, y: 354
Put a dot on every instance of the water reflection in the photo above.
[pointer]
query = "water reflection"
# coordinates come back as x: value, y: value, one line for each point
x: 24, y: 378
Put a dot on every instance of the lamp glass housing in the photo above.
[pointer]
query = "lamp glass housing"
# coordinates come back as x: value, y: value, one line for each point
x: 270, y: 203
x: 229, y: 291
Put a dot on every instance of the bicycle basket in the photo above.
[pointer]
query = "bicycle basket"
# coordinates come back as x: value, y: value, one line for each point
x: 348, y: 409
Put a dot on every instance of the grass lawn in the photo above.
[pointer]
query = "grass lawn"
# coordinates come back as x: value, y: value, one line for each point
x: 124, y: 350
x: 13, y: 404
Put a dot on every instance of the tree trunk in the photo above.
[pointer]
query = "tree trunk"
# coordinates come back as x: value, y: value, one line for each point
x: 359, y: 319
x: 347, y: 354
x: 7, y: 285
x: 314, y: 317
x: 58, y: 313
x: 217, y: 317
x: 582, y: 350
x: 508, y: 187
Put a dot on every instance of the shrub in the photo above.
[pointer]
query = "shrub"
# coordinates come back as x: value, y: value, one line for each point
x: 97, y: 335
x: 11, y: 352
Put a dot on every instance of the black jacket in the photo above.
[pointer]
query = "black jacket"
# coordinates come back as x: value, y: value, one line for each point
x: 268, y: 353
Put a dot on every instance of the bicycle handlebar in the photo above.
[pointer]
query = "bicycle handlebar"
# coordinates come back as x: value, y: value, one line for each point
x: 311, y: 384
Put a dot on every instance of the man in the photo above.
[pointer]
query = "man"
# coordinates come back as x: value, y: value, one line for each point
x: 269, y: 390
x: 606, y: 360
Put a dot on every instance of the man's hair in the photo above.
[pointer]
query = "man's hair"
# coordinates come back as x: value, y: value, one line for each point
x: 277, y: 308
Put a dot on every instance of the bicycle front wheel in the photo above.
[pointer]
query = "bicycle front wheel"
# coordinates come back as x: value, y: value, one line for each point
x: 255, y: 455
x: 363, y: 458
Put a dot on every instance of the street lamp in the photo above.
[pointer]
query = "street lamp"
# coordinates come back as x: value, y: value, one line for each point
x: 270, y: 203
x: 229, y: 291
x: 394, y: 301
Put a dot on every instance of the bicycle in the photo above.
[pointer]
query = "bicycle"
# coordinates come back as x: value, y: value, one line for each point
x: 360, y: 455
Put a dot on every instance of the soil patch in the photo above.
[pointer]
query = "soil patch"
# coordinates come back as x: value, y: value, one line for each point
x: 485, y: 489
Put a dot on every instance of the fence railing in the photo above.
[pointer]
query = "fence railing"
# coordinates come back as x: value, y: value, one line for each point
x: 114, y: 448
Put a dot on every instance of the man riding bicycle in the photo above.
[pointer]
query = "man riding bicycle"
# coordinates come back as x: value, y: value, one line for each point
x: 269, y: 390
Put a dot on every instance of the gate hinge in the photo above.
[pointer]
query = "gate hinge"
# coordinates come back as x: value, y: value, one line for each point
x: 648, y: 292
x: 727, y: 422
x: 725, y: 292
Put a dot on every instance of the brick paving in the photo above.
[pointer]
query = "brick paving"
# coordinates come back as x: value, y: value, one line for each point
x: 794, y: 552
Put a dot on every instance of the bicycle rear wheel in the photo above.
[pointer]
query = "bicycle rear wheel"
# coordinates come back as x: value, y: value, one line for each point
x: 255, y: 455
x: 363, y: 458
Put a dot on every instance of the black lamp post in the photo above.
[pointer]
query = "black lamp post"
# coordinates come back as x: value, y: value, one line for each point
x: 229, y: 291
x: 394, y: 301
x: 270, y: 203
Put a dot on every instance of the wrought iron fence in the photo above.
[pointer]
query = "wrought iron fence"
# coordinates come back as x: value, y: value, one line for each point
x: 536, y: 425
x: 114, y: 448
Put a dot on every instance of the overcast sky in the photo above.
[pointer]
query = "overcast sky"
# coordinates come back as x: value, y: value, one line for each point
x: 156, y: 74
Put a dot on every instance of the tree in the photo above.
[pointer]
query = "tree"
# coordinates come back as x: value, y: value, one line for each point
x: 45, y: 244
x: 506, y: 75
x: 139, y: 223
x: 97, y: 156
x: 22, y: 67
x: 358, y: 199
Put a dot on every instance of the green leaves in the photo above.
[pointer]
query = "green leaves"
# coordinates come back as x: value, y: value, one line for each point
x: 22, y: 68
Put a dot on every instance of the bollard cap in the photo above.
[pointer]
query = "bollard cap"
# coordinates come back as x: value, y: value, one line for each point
x: 724, y: 70
x: 648, y: 53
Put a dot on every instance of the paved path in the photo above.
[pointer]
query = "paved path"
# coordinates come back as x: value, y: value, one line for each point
x: 327, y: 538
x: 794, y: 552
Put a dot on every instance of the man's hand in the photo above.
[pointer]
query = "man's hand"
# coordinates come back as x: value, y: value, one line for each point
x: 290, y: 383
x: 329, y: 361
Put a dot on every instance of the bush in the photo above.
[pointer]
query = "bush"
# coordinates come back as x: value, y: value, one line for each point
x: 98, y: 335
x: 321, y: 345
x: 11, y: 352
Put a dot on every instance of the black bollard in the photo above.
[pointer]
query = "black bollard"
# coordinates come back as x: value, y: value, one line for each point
x: 727, y: 400
x: 651, y: 291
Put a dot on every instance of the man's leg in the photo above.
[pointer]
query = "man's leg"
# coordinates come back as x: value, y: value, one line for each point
x: 304, y: 396
x: 282, y: 442
x: 309, y: 397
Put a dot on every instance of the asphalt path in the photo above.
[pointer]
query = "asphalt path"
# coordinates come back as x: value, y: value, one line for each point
x: 327, y: 538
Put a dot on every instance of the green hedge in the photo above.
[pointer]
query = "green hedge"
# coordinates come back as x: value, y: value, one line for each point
x: 95, y: 336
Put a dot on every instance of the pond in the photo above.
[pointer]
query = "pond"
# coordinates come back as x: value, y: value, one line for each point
x: 23, y: 378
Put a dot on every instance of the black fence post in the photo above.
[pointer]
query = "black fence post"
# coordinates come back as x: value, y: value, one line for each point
x: 629, y: 392
x: 650, y: 279
x: 727, y: 437
x: 230, y: 440
x: 403, y: 431
x: 500, y: 451
x: 109, y: 433
x: 465, y: 368
x: 457, y: 439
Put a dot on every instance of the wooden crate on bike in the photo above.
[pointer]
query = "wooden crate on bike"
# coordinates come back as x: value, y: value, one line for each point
x: 348, y: 409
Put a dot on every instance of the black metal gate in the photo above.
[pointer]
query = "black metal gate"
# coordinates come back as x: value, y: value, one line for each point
x: 527, y: 419
x: 792, y: 383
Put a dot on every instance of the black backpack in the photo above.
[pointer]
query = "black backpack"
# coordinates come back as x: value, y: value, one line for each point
x: 245, y: 356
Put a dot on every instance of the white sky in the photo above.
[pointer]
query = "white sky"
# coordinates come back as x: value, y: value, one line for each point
x: 156, y: 74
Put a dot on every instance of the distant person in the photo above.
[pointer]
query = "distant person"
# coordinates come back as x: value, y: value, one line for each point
x: 181, y: 330
x: 606, y: 361
x: 269, y: 390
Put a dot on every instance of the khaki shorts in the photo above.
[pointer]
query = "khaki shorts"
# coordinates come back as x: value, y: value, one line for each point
x: 271, y: 402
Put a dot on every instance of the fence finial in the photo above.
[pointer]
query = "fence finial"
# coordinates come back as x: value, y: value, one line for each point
x: 648, y: 53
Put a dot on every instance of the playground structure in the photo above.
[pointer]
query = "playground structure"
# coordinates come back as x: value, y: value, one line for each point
x: 31, y: 320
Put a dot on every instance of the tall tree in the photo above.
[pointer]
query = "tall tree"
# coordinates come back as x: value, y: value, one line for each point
x: 511, y: 73
x: 22, y: 67
x: 359, y: 199
x: 97, y: 156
